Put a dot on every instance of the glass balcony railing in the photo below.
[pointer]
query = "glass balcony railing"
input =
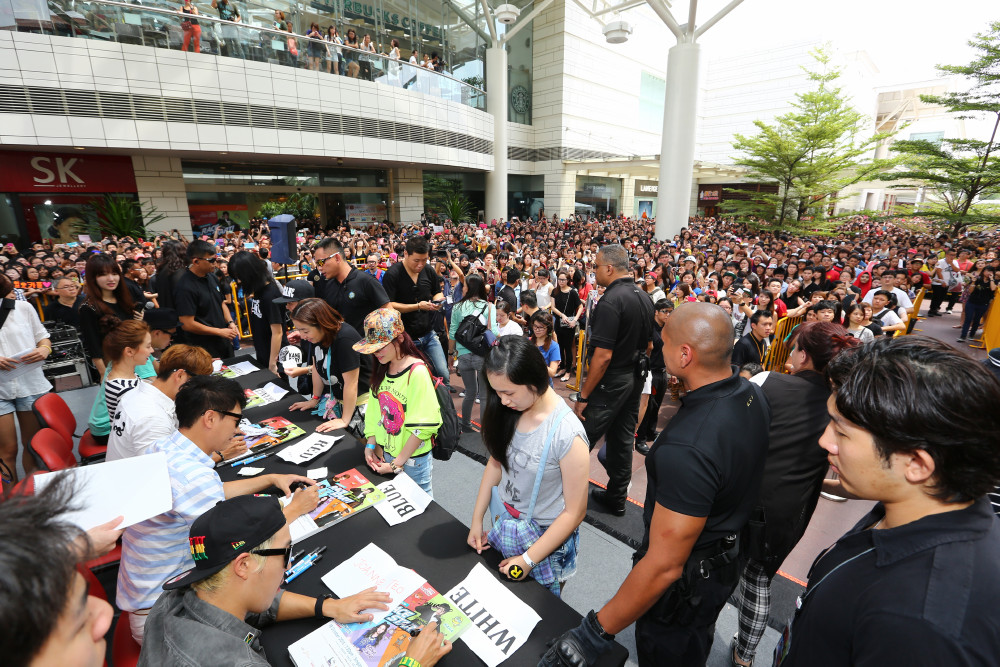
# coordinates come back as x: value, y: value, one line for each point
x: 170, y: 29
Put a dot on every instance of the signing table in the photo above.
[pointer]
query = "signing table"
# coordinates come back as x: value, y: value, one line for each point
x: 433, y: 543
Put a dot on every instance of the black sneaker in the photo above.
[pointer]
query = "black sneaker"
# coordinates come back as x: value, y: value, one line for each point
x: 467, y: 428
x: 600, y: 497
x: 962, y: 340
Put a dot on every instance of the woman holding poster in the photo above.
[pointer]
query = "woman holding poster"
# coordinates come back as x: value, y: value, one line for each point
x: 530, y: 432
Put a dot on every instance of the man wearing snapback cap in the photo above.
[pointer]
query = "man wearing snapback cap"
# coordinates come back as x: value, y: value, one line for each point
x: 211, y: 614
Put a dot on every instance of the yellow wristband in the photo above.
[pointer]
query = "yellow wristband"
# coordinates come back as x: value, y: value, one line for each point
x: 48, y: 347
x: 408, y: 662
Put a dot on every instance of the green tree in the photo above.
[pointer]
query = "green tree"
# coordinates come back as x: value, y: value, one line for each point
x: 437, y: 191
x: 457, y: 207
x: 811, y: 153
x: 300, y: 204
x: 123, y: 216
x: 959, y: 173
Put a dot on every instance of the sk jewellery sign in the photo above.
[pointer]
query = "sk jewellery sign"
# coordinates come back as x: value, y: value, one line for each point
x: 54, y: 172
x: 646, y: 188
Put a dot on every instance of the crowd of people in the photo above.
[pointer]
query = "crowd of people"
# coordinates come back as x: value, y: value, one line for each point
x: 371, y: 320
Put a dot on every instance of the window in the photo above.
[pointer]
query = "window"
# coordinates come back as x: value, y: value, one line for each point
x: 652, y: 91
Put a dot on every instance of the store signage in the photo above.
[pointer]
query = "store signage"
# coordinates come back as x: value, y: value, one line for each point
x: 54, y: 172
x: 646, y: 188
x: 366, y: 214
x: 709, y: 195
x: 361, y: 10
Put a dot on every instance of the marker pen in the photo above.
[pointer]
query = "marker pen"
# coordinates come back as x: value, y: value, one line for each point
x: 249, y: 460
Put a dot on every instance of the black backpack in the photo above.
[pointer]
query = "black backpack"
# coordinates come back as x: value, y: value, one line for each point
x: 471, y: 333
x: 446, y: 440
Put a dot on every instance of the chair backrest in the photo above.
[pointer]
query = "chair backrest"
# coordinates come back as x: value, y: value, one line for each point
x: 52, y: 412
x: 124, y: 650
x: 50, y: 450
x: 917, y: 302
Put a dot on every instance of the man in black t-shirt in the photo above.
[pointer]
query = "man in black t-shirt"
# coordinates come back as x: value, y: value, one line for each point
x: 66, y: 308
x: 198, y: 302
x: 508, y: 293
x: 608, y: 402
x: 350, y: 292
x: 414, y: 289
x: 704, y: 475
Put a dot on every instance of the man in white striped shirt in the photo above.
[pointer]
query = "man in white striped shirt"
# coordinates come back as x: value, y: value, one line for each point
x: 208, y: 411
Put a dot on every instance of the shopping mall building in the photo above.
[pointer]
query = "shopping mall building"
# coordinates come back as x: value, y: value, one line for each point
x: 101, y: 97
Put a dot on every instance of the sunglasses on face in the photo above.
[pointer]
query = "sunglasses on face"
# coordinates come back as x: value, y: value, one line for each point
x: 286, y: 553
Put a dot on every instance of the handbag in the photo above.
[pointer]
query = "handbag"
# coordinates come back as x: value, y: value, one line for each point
x: 513, y: 535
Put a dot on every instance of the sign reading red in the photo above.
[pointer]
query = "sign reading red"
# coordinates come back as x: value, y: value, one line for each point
x: 60, y: 172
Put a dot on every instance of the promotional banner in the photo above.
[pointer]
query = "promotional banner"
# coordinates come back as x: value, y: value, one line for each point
x: 365, y: 214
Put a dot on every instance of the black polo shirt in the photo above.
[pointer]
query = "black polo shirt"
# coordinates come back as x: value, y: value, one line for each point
x: 749, y: 350
x: 656, y: 363
x: 403, y: 289
x: 358, y: 295
x: 202, y: 299
x: 622, y: 322
x: 709, y: 460
x: 924, y: 593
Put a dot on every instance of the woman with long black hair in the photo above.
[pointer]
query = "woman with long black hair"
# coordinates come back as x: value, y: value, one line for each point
x: 527, y: 429
x: 266, y: 317
x: 170, y: 267
x: 108, y: 304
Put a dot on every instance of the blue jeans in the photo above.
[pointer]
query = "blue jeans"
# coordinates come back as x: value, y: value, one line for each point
x: 418, y: 469
x: 971, y: 316
x: 431, y: 347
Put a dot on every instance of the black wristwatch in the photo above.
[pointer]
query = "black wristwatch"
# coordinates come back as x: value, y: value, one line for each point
x: 318, y: 611
x: 581, y: 399
x: 596, y: 624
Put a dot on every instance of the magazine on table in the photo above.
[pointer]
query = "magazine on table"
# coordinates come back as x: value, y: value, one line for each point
x: 381, y: 643
x: 340, y: 496
x: 266, y: 434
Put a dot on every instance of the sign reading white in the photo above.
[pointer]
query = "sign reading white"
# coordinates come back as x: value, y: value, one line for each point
x: 308, y: 449
x: 141, y: 487
x: 404, y: 499
x: 373, y: 567
x: 323, y: 647
x: 500, y: 621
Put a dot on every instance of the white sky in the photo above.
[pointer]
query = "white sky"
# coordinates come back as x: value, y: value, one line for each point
x: 905, y: 38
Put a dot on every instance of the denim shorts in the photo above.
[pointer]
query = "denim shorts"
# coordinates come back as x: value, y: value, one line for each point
x: 563, y: 561
x: 19, y: 404
x: 417, y: 468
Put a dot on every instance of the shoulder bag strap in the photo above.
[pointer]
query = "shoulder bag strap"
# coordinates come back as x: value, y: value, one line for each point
x: 6, y: 308
x: 560, y: 413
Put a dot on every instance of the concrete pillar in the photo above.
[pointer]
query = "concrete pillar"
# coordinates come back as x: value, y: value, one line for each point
x: 407, y: 195
x: 160, y: 181
x: 677, y: 146
x: 496, y: 105
x: 560, y: 193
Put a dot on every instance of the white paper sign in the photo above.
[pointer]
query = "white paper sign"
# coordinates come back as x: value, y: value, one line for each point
x: 137, y: 488
x: 500, y: 621
x: 373, y: 567
x: 324, y: 647
x: 249, y: 471
x: 404, y: 499
x: 244, y: 368
x: 272, y: 391
x: 317, y: 473
x: 310, y: 448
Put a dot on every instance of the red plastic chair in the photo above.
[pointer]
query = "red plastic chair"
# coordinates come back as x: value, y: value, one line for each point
x: 124, y: 650
x: 50, y: 451
x: 52, y: 412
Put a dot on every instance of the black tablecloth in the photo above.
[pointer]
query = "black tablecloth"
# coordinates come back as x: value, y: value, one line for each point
x: 433, y: 544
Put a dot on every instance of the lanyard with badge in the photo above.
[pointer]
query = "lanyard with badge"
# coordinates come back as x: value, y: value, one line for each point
x: 785, y: 640
x: 328, y: 407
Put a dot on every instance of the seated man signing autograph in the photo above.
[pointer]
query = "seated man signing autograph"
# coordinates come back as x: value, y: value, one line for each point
x: 210, y: 615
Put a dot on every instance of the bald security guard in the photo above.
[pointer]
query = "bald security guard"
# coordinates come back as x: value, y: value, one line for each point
x: 704, y: 473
